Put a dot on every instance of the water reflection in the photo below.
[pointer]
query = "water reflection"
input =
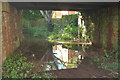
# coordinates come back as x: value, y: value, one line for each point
x: 63, y: 58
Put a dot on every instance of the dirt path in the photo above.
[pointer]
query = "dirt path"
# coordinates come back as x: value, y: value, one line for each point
x: 87, y: 69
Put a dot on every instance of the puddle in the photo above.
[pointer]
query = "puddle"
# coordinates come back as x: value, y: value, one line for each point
x: 64, y: 56
x: 54, y: 56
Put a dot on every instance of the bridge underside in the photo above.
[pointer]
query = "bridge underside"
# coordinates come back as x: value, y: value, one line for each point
x: 77, y: 6
x: 104, y: 16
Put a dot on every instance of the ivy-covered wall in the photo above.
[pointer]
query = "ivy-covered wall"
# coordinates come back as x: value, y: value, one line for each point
x: 106, y: 27
x: 11, y: 29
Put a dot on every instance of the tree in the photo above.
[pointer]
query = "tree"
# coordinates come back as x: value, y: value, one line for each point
x: 32, y: 14
x: 47, y: 14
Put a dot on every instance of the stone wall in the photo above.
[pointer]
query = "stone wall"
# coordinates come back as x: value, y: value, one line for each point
x: 106, y: 27
x: 11, y: 29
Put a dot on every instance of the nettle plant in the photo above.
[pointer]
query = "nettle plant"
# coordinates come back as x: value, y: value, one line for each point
x: 16, y: 66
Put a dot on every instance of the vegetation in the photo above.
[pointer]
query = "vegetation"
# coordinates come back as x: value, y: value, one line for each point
x: 66, y: 33
x: 109, y: 61
x: 48, y: 17
x: 17, y: 66
x: 32, y: 14
x: 69, y: 31
x: 40, y: 32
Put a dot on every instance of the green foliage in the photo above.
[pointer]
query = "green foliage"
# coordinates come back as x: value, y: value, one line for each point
x: 32, y: 14
x: 70, y: 19
x: 72, y: 29
x: 96, y: 59
x: 42, y: 73
x: 65, y: 34
x: 37, y: 31
x: 54, y: 36
x: 61, y: 36
x: 17, y: 66
x: 109, y: 61
x: 69, y: 46
x: 57, y: 28
x: 105, y: 51
x: 111, y: 66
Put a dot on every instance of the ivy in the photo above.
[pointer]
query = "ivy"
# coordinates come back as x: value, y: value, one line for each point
x: 17, y: 66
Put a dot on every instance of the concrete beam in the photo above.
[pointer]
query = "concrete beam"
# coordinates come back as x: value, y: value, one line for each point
x: 80, y: 6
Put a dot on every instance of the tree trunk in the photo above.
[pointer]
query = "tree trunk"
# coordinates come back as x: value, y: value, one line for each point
x: 50, y: 26
x: 48, y: 17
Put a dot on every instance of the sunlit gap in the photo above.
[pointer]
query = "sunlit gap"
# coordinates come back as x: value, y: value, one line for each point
x: 59, y: 14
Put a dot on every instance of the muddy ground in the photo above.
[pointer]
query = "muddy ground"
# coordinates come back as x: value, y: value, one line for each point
x: 87, y: 69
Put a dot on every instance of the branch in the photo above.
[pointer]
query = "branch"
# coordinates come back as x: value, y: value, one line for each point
x: 42, y: 12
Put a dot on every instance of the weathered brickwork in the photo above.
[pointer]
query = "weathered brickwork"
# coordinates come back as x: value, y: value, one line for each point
x: 11, y: 29
x: 106, y: 27
x: 119, y: 25
x: 0, y: 40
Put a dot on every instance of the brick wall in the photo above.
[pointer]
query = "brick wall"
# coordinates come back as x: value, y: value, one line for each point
x: 106, y: 27
x: 0, y: 40
x: 11, y: 29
